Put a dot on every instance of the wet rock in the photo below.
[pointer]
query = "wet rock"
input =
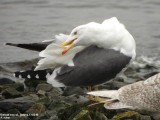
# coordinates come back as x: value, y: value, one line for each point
x: 21, y: 103
x: 76, y: 99
x: 13, y: 111
x: 16, y: 115
x: 44, y: 87
x: 83, y: 115
x: 20, y: 118
x: 70, y: 111
x: 44, y: 100
x: 73, y: 90
x: 1, y: 88
x: 4, y: 81
x: 34, y: 97
x: 55, y: 92
x: 145, y: 117
x: 150, y: 74
x: 11, y: 93
x: 41, y: 93
x: 112, y: 85
x: 70, y: 103
x: 58, y: 104
x: 127, y: 115
x: 38, y: 109
x: 52, y: 115
x: 32, y: 84
x: 18, y: 87
x: 22, y: 65
x: 1, y: 111
x: 99, y: 116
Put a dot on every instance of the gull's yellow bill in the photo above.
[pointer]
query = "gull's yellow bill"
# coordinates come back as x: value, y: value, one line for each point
x: 68, y: 45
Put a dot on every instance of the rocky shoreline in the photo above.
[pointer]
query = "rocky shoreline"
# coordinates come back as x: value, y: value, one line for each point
x: 37, y: 100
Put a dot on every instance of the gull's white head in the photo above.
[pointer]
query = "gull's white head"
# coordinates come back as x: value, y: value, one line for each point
x: 110, y: 34
x: 84, y: 35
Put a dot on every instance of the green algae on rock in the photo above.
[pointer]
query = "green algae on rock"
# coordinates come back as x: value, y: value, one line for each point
x: 83, y: 115
x: 44, y: 86
x: 11, y: 93
x: 38, y: 109
x: 127, y: 115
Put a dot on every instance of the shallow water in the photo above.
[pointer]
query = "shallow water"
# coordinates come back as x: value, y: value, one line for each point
x: 35, y: 20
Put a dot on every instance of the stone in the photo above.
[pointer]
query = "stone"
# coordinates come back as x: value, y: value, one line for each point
x: 127, y: 115
x: 4, y: 81
x: 55, y: 92
x: 74, y: 90
x: 69, y: 111
x: 37, y: 108
x: 34, y: 97
x: 83, y: 115
x: 99, y: 116
x: 50, y: 115
x: 76, y: 99
x: 41, y: 93
x: 150, y: 74
x: 113, y: 84
x: 145, y: 117
x: 32, y: 84
x: 18, y: 87
x: 45, y: 100
x: 1, y: 97
x: 69, y: 103
x: 58, y: 104
x: 22, y: 104
x: 44, y: 87
x: 11, y: 93
x: 20, y: 118
x: 13, y: 111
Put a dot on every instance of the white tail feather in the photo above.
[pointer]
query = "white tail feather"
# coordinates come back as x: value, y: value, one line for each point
x: 113, y: 94
x: 61, y: 38
x: 51, y: 50
x: 45, y: 63
x: 58, y: 38
x: 53, y: 56
x: 50, y: 40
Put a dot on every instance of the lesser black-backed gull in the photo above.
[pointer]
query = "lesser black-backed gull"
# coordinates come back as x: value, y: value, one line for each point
x: 92, y: 54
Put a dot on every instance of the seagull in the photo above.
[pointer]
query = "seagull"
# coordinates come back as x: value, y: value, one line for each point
x: 142, y: 95
x: 91, y: 54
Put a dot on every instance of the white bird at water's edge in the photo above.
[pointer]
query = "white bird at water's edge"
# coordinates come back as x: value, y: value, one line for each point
x: 92, y: 54
x: 142, y: 95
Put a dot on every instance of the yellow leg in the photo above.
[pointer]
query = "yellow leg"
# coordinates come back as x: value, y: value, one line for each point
x: 89, y: 88
x: 90, y: 97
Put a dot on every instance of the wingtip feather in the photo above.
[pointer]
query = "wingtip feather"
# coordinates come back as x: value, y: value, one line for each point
x: 113, y: 94
x: 11, y: 44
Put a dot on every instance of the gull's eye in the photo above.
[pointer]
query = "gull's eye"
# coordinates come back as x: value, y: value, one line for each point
x: 75, y: 33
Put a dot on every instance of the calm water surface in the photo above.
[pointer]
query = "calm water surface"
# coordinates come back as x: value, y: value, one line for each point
x: 27, y: 21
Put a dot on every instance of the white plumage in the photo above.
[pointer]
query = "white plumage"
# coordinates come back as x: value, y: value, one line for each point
x: 111, y: 34
x: 53, y: 57
x: 92, y: 54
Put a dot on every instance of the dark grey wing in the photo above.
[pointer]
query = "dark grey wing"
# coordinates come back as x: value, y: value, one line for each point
x: 93, y: 66
x: 31, y: 46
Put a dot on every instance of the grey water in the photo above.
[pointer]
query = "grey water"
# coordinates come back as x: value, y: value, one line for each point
x: 25, y: 21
